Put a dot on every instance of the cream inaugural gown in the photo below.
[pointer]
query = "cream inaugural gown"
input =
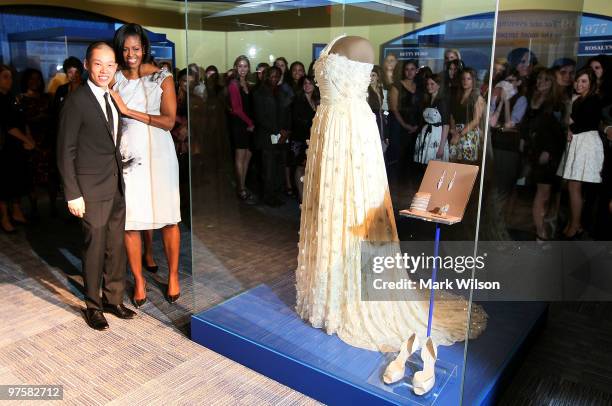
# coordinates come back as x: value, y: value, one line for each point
x: 346, y: 201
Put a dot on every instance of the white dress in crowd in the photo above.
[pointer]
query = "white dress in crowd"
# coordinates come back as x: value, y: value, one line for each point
x: 150, y: 166
x: 346, y: 201
x: 430, y: 137
x: 583, y: 157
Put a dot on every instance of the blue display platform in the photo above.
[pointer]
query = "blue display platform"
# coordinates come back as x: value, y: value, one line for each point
x: 260, y: 329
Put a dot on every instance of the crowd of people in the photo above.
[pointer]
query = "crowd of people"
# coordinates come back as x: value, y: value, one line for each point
x: 263, y: 116
x: 549, y: 130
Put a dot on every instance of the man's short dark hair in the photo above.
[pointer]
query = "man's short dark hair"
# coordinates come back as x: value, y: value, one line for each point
x: 129, y: 30
x: 95, y: 45
x: 72, y: 62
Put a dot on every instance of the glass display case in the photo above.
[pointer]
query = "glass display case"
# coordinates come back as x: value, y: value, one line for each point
x: 253, y: 173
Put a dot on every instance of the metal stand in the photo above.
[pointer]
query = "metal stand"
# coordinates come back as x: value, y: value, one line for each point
x: 433, y: 280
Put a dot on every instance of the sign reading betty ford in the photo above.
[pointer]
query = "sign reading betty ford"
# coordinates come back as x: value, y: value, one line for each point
x: 412, y: 52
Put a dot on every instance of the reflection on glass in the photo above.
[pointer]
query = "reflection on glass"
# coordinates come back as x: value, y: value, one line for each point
x: 253, y: 165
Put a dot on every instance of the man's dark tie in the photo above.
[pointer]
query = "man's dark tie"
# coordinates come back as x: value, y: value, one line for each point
x: 109, y: 115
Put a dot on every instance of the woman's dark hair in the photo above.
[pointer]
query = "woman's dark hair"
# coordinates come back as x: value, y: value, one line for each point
x: 605, y: 86
x: 436, y: 77
x: 522, y: 88
x: 241, y: 58
x: 455, y: 81
x: 316, y: 96
x: 194, y: 69
x: 282, y: 58
x: 180, y: 75
x: 403, y: 65
x: 552, y: 99
x: 439, y: 81
x: 72, y: 62
x: 592, y: 79
x: 27, y: 75
x: 379, y: 72
x: 4, y: 67
x: 515, y: 56
x: 130, y: 30
x: 211, y: 68
x: 421, y: 77
x: 213, y: 85
x: 287, y: 75
x: 269, y: 71
x: 295, y: 85
x: 311, y: 71
x: 264, y: 65
x: 475, y: 89
x: 457, y: 62
x: 297, y: 63
x: 604, y: 61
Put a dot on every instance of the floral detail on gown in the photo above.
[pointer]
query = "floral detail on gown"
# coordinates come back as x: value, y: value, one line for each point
x: 346, y: 202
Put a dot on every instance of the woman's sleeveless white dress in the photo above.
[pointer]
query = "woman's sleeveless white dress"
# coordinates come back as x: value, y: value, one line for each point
x: 346, y: 201
x: 150, y: 166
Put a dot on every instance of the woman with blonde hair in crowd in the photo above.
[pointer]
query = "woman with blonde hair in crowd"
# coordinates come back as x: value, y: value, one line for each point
x: 451, y: 54
x: 389, y: 67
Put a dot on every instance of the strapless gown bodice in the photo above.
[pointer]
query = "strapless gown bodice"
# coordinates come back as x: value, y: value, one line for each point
x: 342, y: 82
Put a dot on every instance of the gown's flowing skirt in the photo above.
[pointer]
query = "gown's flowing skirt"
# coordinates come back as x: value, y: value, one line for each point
x: 151, y: 176
x: 346, y: 201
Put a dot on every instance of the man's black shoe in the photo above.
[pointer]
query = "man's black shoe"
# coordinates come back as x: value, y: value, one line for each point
x: 119, y: 310
x: 95, y: 319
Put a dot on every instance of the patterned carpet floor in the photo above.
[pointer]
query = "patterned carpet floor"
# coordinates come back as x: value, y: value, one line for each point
x: 146, y: 361
x: 151, y: 360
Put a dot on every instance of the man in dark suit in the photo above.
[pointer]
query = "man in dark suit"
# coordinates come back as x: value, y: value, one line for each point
x: 90, y: 163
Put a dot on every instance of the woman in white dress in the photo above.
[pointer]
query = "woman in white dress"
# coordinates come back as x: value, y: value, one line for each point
x: 346, y: 203
x: 584, y: 154
x: 432, y: 142
x: 146, y: 98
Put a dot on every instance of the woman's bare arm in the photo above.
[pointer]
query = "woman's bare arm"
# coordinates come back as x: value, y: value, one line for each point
x: 475, y: 123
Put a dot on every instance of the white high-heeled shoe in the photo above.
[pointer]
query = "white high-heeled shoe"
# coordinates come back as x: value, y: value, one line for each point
x: 424, y: 380
x: 395, y: 370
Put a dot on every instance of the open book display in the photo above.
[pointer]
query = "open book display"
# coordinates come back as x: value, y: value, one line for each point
x: 444, y: 192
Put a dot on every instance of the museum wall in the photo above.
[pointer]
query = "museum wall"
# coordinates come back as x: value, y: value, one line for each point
x: 220, y: 48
